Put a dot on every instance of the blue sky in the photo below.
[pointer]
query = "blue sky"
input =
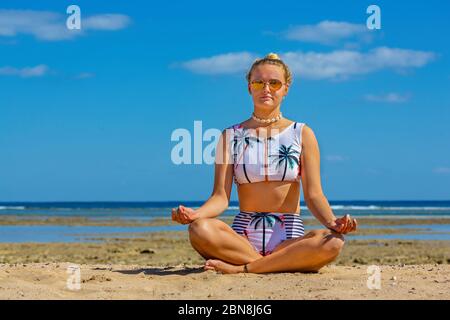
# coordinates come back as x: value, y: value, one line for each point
x: 89, y: 115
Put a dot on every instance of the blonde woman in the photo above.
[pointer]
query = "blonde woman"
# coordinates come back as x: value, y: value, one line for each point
x: 267, y: 156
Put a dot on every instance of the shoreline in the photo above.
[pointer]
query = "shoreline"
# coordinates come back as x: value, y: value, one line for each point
x: 173, y: 247
x: 44, y: 229
x: 163, y: 265
x: 134, y: 246
x: 162, y: 221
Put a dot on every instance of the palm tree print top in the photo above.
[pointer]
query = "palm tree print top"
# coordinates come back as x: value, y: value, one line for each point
x: 275, y: 158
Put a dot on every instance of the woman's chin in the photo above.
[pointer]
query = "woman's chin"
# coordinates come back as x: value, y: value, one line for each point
x: 267, y: 104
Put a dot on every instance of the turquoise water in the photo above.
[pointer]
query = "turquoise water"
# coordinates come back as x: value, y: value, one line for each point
x: 42, y: 234
x: 16, y: 234
x: 149, y: 210
x: 145, y: 211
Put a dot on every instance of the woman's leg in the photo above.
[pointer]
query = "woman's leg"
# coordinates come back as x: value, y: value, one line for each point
x: 214, y: 239
x: 305, y: 254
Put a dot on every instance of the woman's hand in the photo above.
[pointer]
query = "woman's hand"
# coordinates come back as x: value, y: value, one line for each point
x: 344, y: 225
x: 183, y: 214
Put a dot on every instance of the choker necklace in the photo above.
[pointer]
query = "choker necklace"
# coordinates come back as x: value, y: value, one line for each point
x: 278, y: 117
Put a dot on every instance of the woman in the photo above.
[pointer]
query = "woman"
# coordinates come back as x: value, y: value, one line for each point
x: 267, y: 155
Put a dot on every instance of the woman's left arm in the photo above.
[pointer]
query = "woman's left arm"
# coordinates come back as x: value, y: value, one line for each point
x: 315, y: 200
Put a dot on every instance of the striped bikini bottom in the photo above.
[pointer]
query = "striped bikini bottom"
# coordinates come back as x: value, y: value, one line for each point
x: 266, y: 230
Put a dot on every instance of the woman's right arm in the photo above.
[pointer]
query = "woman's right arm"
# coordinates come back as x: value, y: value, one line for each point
x: 223, y: 180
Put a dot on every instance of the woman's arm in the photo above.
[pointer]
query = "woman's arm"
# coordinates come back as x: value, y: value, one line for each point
x: 312, y: 188
x: 315, y: 200
x: 223, y: 182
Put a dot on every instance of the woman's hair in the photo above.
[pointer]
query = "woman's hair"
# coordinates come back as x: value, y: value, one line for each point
x: 271, y: 58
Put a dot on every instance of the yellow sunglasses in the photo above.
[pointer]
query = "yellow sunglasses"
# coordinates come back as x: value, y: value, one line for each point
x: 274, y: 84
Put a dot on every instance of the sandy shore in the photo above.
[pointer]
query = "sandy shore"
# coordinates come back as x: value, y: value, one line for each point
x: 49, y: 281
x: 173, y: 248
x: 84, y: 221
x: 163, y: 265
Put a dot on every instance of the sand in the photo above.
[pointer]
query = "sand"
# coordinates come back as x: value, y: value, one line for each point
x: 163, y: 265
x: 49, y: 281
x: 173, y: 248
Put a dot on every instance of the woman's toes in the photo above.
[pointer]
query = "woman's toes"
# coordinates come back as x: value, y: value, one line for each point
x: 209, y: 265
x: 213, y: 265
x: 221, y: 266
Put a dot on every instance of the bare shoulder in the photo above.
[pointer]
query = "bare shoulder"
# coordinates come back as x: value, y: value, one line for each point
x: 245, y: 123
x: 308, y: 136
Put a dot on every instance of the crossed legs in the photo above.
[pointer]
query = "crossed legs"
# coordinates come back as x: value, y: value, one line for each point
x: 229, y: 251
x: 214, y: 239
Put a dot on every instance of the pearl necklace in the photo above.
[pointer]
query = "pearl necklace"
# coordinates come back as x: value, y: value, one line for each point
x: 278, y: 117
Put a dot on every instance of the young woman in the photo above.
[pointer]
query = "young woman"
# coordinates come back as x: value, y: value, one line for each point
x: 267, y: 156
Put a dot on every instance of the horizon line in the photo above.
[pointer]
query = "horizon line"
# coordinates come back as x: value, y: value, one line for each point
x: 178, y: 200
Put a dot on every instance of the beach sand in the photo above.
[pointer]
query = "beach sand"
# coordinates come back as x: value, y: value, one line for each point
x: 163, y: 265
x: 173, y: 248
x: 49, y: 281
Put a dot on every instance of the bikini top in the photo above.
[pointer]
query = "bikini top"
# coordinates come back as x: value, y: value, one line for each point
x: 256, y: 158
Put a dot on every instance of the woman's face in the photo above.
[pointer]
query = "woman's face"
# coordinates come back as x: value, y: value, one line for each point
x: 265, y: 97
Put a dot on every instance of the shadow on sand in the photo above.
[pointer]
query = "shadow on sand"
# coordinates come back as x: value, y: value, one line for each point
x: 164, y: 271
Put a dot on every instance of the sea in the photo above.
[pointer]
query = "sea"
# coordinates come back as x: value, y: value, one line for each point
x: 146, y: 211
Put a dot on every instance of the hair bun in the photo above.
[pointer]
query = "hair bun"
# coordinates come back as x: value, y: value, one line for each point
x: 273, y: 59
x: 273, y: 56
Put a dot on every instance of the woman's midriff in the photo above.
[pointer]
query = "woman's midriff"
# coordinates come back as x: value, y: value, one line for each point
x: 270, y: 196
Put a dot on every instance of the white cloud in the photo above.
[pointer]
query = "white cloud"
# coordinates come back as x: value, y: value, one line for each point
x: 51, y: 26
x: 338, y: 64
x: 336, y: 158
x: 389, y: 97
x: 221, y: 64
x: 328, y: 32
x: 442, y: 170
x: 42, y: 24
x: 27, y: 72
x: 106, y: 22
x: 341, y: 64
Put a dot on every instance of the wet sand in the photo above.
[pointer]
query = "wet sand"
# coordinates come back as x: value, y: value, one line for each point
x: 171, y: 248
x: 159, y: 221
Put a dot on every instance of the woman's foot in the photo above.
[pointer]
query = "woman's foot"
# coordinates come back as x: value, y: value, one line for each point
x: 221, y: 266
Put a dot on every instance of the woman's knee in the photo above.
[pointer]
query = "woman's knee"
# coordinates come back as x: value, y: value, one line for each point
x: 333, y: 244
x: 329, y: 242
x: 202, y: 228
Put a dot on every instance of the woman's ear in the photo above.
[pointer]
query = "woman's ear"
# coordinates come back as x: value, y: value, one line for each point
x: 286, y: 90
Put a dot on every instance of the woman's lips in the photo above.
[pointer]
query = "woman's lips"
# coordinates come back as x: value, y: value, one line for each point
x: 266, y: 98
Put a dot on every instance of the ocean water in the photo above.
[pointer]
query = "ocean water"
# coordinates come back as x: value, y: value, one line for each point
x: 152, y: 210
x: 149, y: 210
x: 40, y: 234
x: 45, y: 233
